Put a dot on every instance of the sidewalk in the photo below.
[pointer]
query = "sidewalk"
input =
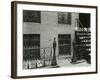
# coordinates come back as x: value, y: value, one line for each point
x: 61, y: 62
x: 67, y: 63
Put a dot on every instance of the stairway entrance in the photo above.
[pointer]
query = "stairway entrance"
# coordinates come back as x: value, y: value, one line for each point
x: 83, y: 42
x: 82, y: 39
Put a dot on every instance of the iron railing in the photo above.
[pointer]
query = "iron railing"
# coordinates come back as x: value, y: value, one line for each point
x: 45, y: 60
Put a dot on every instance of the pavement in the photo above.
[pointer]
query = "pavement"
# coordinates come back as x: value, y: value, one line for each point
x: 61, y: 62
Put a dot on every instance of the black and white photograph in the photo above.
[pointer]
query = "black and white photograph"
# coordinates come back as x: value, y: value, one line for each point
x: 53, y: 39
x: 56, y: 39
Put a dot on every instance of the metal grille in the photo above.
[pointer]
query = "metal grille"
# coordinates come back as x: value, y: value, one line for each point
x: 64, y: 43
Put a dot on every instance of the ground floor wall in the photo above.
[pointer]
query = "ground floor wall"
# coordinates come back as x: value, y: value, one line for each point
x: 47, y: 34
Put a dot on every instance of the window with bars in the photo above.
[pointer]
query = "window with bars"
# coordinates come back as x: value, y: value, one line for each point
x: 31, y: 16
x: 64, y: 44
x: 31, y: 46
x: 64, y: 18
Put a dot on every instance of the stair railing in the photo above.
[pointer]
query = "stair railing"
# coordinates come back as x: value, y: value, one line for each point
x: 75, y: 45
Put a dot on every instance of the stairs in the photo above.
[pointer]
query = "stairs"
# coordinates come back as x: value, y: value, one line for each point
x: 83, y: 44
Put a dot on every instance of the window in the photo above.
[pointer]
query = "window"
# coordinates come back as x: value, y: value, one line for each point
x: 31, y: 16
x: 64, y: 44
x: 31, y: 46
x: 64, y: 18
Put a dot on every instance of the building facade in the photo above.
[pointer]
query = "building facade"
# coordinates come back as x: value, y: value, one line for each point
x: 48, y: 25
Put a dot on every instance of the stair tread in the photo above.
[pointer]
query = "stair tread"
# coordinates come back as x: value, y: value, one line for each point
x: 83, y: 42
x: 83, y: 31
x: 83, y: 35
x: 84, y: 38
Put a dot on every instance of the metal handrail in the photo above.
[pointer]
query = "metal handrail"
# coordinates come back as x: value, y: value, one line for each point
x: 79, y: 22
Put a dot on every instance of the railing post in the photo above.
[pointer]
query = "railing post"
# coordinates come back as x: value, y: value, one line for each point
x: 28, y: 66
x: 54, y: 62
x: 44, y: 58
x: 50, y: 56
x: 36, y: 65
x: 74, y: 58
